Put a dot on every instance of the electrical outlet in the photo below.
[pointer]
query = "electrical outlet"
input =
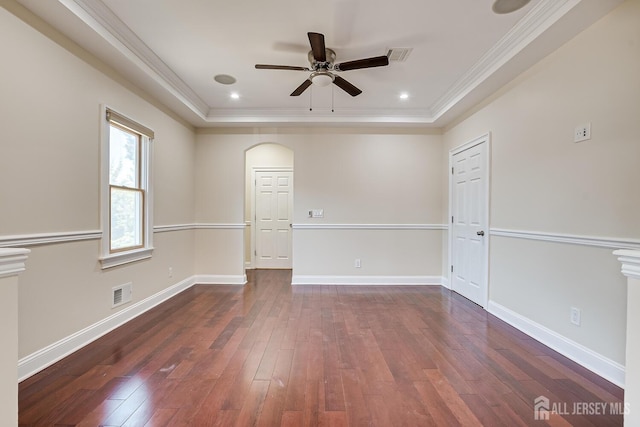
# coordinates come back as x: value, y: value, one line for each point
x: 170, y: 272
x: 582, y: 133
x: 575, y: 316
x: 357, y: 263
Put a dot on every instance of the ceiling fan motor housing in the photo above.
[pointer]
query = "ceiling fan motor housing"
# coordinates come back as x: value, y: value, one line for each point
x: 327, y: 65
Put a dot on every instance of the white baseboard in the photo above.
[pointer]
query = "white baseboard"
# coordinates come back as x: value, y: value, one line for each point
x: 35, y: 362
x: 366, y: 280
x: 221, y: 279
x: 595, y: 362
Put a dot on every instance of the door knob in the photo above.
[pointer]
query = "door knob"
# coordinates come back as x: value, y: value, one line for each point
x: 480, y: 233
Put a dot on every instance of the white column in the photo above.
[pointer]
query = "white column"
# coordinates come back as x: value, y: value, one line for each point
x: 11, y: 264
x: 630, y: 260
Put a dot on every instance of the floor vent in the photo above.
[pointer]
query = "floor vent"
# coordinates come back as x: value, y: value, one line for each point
x: 399, y: 54
x: 120, y: 295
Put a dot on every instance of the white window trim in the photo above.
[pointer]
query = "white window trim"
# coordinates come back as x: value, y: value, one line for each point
x: 108, y: 259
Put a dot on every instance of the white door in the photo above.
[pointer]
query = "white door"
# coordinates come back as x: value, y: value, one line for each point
x: 469, y: 209
x: 274, y: 211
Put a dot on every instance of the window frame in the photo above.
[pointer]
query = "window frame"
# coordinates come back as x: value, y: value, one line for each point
x: 114, y: 257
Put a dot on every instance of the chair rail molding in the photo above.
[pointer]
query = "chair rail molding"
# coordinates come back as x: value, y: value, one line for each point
x: 49, y: 238
x: 326, y: 226
x: 574, y: 239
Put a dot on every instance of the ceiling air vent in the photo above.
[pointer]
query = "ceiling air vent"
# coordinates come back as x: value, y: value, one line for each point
x: 399, y: 54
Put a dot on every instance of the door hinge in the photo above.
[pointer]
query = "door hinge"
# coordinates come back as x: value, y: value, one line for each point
x: 452, y: 268
x: 451, y: 171
x: 452, y: 219
x: 255, y: 253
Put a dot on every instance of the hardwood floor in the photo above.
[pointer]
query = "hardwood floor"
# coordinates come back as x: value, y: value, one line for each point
x: 270, y: 354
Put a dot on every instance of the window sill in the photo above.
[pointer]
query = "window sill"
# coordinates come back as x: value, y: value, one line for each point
x: 121, y: 258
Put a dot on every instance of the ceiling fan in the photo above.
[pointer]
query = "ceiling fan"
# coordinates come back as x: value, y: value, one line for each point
x: 323, y: 67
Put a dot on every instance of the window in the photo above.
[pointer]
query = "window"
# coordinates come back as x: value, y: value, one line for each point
x: 126, y: 216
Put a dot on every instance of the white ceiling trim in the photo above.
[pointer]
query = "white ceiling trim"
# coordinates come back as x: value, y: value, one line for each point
x: 532, y: 25
x: 104, y: 22
x: 114, y: 31
x: 318, y: 116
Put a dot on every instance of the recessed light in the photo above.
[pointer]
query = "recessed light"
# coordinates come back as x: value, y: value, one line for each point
x: 225, y: 79
x: 235, y: 95
x: 404, y: 95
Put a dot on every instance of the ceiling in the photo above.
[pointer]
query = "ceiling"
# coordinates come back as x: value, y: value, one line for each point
x: 461, y: 52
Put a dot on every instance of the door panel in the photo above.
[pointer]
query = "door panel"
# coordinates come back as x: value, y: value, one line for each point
x: 470, y: 221
x: 274, y: 211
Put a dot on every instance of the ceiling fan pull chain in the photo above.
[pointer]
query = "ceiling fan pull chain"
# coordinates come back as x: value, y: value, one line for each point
x: 332, y: 92
x: 311, y: 99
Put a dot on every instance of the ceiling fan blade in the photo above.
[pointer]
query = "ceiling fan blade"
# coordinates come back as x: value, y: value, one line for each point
x: 346, y: 86
x: 280, y: 67
x: 376, y: 61
x: 305, y: 84
x: 317, y: 46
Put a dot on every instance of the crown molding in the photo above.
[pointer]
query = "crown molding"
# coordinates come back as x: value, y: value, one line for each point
x: 324, y: 116
x: 113, y: 30
x: 533, y: 24
x: 105, y: 23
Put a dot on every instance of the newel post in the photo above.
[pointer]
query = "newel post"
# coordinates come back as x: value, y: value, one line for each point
x: 12, y: 262
x: 630, y: 260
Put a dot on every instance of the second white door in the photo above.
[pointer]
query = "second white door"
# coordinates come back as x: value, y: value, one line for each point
x: 469, y: 208
x: 274, y: 211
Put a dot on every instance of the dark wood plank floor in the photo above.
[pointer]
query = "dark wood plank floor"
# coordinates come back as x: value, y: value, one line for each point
x: 270, y: 354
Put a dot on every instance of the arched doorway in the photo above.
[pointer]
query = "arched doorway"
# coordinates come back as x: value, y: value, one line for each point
x: 268, y: 206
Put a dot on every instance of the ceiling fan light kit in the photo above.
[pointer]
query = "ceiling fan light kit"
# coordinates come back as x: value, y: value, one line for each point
x: 323, y: 67
x: 322, y: 78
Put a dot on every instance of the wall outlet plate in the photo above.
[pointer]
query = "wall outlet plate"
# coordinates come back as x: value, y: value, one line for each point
x: 582, y: 132
x: 575, y: 316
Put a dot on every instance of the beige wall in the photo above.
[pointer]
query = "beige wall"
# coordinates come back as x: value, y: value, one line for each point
x: 542, y: 181
x: 50, y: 182
x: 383, y: 176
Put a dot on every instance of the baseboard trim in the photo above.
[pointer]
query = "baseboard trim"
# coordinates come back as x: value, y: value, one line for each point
x: 367, y: 280
x: 221, y: 279
x: 595, y: 362
x: 41, y: 359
